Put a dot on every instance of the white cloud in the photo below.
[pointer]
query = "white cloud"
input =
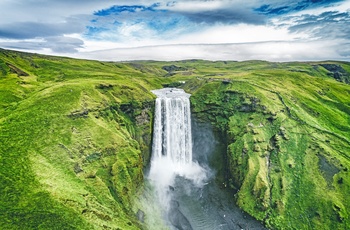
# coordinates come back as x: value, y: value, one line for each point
x: 195, y: 6
x: 50, y: 10
x: 140, y: 35
x: 240, y: 33
x: 271, y: 51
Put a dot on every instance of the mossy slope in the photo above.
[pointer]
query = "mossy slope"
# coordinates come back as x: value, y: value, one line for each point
x: 288, y: 135
x: 72, y: 133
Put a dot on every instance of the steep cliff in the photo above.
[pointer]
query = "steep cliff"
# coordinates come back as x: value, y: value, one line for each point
x: 288, y: 143
x: 74, y: 139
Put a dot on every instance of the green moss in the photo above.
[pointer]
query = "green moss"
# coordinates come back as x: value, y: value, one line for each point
x: 63, y: 140
x: 275, y: 132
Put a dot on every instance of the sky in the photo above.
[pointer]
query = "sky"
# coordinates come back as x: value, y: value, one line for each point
x: 122, y: 30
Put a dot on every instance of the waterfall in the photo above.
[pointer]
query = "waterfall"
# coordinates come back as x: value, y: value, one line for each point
x: 181, y: 193
x: 172, y: 144
x: 172, y: 137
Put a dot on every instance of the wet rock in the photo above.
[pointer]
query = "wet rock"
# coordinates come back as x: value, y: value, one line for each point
x: 140, y: 216
x: 143, y: 118
x: 174, y: 204
x: 177, y: 219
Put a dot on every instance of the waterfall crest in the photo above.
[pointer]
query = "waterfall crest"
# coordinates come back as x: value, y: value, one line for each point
x: 172, y: 137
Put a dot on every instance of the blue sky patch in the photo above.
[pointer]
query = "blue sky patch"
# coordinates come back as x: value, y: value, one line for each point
x: 144, y: 18
x: 114, y: 10
x: 275, y: 10
x: 118, y: 9
x: 93, y: 30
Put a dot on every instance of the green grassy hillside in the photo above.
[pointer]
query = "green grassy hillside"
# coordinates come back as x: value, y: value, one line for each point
x: 75, y: 136
x: 71, y: 136
x: 288, y: 135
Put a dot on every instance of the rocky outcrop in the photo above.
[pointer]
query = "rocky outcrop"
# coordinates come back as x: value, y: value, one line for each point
x: 177, y: 218
x: 337, y: 72
x: 173, y: 68
x: 17, y: 70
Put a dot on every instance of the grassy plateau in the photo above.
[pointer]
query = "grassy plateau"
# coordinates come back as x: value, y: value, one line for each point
x: 75, y: 136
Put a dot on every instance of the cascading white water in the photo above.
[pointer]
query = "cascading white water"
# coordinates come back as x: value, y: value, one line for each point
x: 172, y: 143
x: 172, y: 137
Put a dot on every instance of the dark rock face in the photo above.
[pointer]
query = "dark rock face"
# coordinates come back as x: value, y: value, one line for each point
x: 140, y: 216
x: 172, y: 68
x: 104, y: 86
x: 177, y: 219
x: 337, y: 72
x: 77, y: 168
x: 79, y: 114
x: 328, y: 169
x: 17, y: 70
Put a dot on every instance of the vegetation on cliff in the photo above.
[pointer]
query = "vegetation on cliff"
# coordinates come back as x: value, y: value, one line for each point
x: 72, y: 135
x: 288, y: 135
x: 75, y: 136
